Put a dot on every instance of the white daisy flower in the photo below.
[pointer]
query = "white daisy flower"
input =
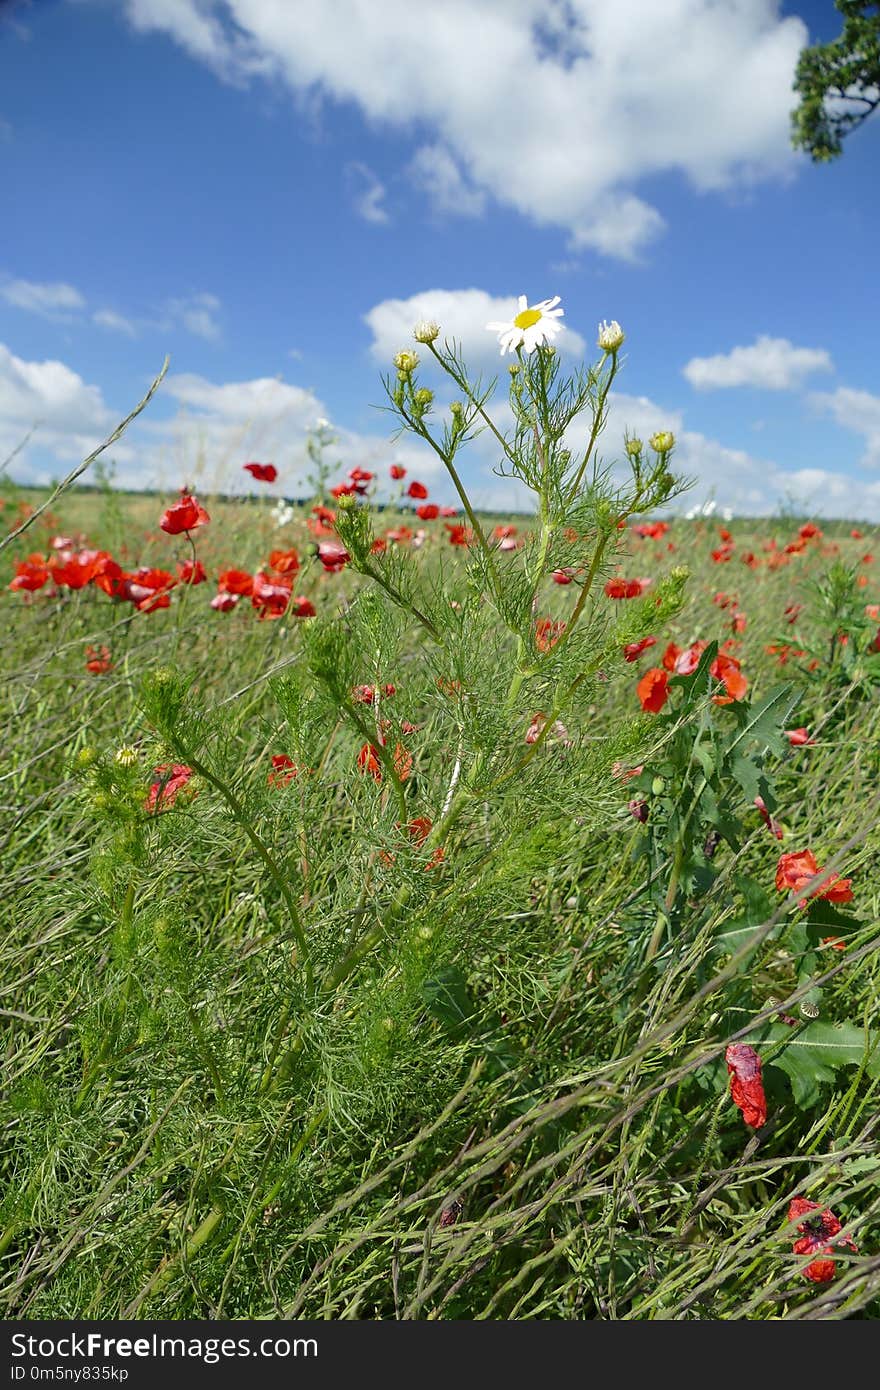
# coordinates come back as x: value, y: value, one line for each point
x: 532, y: 325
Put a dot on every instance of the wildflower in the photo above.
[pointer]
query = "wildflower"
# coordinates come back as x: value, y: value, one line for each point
x: 611, y: 336
x: 126, y: 756
x: 261, y: 472
x: 369, y: 695
x: 625, y: 773
x: 633, y: 448
x: 191, y: 572
x: 98, y: 660
x: 148, y: 589
x: 284, y: 561
x: 651, y: 530
x: 397, y: 471
x: 271, y: 596
x: 531, y: 326
x: 428, y: 512
x: 406, y: 362
x: 368, y: 762
x: 623, y: 588
x: 662, y: 442
x: 224, y: 602
x: 638, y: 810
x: 746, y: 1086
x: 558, y: 731
x: 797, y: 870
x: 30, y: 574
x: 417, y: 490
x: 653, y: 690
x: 547, y: 634
x: 856, y: 535
x: 282, y: 513
x: 333, y: 556
x: 819, y: 1233
x: 284, y: 769
x: 562, y: 576
x: 809, y: 531
x: 633, y: 650
x: 76, y: 571
x: 798, y: 738
x: 184, y: 515
x: 168, y: 781
x: 426, y: 331
x: 301, y: 607
x: 459, y: 535
x: 236, y: 582
x: 727, y: 670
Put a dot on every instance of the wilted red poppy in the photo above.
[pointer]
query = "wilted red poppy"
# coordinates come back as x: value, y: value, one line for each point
x: 798, y: 737
x: 397, y: 471
x: 191, y: 572
x: 820, y: 1232
x: 653, y: 690
x: 746, y: 1086
x: 417, y: 490
x: 772, y: 825
x: 261, y: 472
x: 168, y: 781
x: 284, y: 561
x: 547, y: 634
x: 795, y: 871
x: 30, y: 574
x: 284, y: 769
x: 633, y: 650
x: 236, y: 582
x: 368, y: 761
x: 98, y: 660
x: 184, y: 515
x: 558, y: 731
x: 428, y: 512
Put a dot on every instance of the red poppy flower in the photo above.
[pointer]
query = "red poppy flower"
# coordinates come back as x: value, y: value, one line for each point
x: 625, y: 773
x: 168, y: 781
x: 633, y: 650
x: 653, y: 690
x: 809, y: 531
x: 449, y: 511
x: 428, y: 512
x: 30, y: 574
x: 417, y: 490
x: 397, y: 471
x: 270, y: 596
x: 369, y: 695
x: 325, y: 514
x: 106, y: 573
x: 400, y: 535
x: 76, y: 571
x: 820, y: 1232
x: 795, y: 871
x: 147, y: 589
x: 727, y: 670
x: 379, y: 546
x: 725, y: 600
x: 722, y: 554
x: 562, y: 576
x: 856, y: 535
x: 284, y: 770
x: 284, y: 561
x: 547, y: 634
x: 224, y: 602
x: 746, y: 1086
x: 624, y: 588
x: 459, y: 535
x: 236, y: 582
x: 191, y: 572
x: 360, y: 475
x: 651, y: 530
x: 344, y: 490
x: 184, y: 515
x: 98, y: 660
x: 333, y: 556
x: 261, y: 472
x: 798, y: 738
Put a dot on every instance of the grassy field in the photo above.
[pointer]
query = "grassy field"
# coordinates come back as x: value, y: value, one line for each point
x: 440, y: 1034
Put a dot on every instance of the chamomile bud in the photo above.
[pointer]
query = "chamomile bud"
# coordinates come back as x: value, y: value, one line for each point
x: 611, y: 336
x: 426, y: 330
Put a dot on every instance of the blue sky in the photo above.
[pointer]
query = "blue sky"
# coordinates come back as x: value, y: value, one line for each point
x: 272, y: 192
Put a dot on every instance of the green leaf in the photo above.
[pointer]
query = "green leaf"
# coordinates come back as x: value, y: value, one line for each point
x: 765, y: 724
x: 812, y: 1057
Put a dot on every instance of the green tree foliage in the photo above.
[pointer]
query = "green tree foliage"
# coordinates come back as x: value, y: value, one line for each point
x: 838, y: 82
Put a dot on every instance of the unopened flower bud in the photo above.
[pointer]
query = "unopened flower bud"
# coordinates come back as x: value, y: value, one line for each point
x: 345, y: 502
x: 611, y: 335
x: 126, y: 756
x: 633, y: 447
x: 426, y: 330
x: 406, y: 362
x: 456, y: 409
x: 86, y: 756
x: 424, y: 397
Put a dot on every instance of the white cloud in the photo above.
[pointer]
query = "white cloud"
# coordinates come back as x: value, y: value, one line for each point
x: 771, y: 364
x: 858, y: 411
x: 461, y: 314
x: 116, y: 323
x: 557, y: 108
x: 369, y: 194
x: 71, y: 417
x: 51, y: 300
x: 435, y: 172
x: 197, y: 313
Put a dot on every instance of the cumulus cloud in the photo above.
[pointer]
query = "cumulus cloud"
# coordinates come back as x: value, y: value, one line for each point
x: 556, y: 108
x: 116, y: 323
x: 858, y: 411
x: 771, y: 364
x: 71, y: 417
x: 461, y: 314
x: 434, y: 171
x: 51, y: 300
x: 197, y: 313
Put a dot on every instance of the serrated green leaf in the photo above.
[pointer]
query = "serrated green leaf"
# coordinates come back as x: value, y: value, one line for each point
x: 812, y: 1057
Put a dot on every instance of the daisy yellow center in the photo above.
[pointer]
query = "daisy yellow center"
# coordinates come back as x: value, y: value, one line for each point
x: 527, y: 319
